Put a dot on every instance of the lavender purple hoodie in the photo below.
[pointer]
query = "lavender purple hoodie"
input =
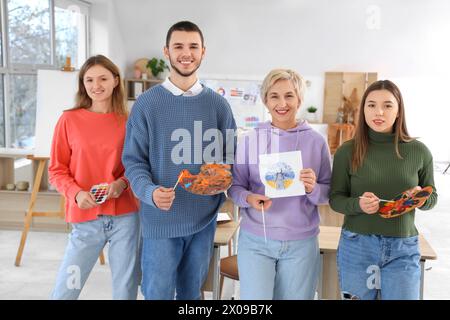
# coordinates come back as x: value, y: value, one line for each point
x: 290, y: 218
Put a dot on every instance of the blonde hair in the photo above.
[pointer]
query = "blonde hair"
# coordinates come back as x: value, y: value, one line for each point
x: 82, y: 99
x: 283, y: 74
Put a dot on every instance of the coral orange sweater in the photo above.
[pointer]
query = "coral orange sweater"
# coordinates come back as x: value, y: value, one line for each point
x: 86, y: 150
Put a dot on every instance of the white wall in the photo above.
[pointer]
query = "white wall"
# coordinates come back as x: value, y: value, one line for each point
x: 406, y: 41
x: 106, y: 34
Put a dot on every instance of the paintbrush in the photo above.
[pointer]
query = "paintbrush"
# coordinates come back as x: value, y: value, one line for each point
x: 179, y: 178
x: 381, y: 200
x: 264, y: 220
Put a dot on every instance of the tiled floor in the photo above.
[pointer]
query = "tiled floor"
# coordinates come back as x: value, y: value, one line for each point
x: 35, y: 277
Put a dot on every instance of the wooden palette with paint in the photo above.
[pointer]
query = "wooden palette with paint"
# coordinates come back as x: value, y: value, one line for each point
x: 212, y: 179
x: 404, y: 202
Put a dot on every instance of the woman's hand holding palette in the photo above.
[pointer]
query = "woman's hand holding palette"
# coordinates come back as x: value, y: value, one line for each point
x: 404, y: 202
x: 99, y: 191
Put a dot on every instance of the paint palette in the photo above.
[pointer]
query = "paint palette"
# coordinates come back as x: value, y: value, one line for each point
x: 99, y: 191
x: 404, y: 202
x: 212, y: 179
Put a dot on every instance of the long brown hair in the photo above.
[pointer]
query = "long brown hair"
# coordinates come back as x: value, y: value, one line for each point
x: 361, y: 138
x: 82, y: 99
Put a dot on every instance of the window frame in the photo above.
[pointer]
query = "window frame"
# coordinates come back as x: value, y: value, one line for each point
x: 8, y: 68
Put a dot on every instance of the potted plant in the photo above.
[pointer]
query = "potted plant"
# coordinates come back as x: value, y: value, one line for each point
x: 311, y: 114
x: 157, y: 66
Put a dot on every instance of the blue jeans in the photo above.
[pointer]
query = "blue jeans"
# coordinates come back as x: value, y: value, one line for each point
x: 278, y: 270
x: 177, y: 265
x: 369, y: 265
x: 86, y: 241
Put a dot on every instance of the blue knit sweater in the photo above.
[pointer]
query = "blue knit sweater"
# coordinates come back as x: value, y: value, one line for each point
x: 159, y: 125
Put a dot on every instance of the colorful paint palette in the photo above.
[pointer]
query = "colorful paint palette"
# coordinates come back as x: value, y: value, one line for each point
x: 99, y: 191
x: 404, y: 202
x: 212, y: 179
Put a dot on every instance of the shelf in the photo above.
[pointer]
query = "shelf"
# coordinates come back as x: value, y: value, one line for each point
x: 145, y: 80
x: 15, y: 153
x: 44, y: 193
x: 135, y: 87
x: 7, y: 173
x: 14, y: 205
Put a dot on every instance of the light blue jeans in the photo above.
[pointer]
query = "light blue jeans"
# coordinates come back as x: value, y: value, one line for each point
x: 371, y: 265
x: 86, y: 241
x: 177, y: 265
x: 278, y: 270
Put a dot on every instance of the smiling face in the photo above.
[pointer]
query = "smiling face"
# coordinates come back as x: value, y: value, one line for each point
x: 283, y: 103
x: 185, y: 53
x: 99, y: 83
x: 381, y: 110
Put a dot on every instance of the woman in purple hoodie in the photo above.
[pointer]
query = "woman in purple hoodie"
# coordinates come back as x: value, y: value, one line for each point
x: 286, y: 265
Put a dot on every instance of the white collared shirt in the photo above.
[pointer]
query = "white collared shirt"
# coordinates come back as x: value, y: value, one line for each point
x: 192, y: 91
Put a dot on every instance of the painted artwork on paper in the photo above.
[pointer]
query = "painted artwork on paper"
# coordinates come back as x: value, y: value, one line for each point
x: 280, y: 176
x: 279, y: 172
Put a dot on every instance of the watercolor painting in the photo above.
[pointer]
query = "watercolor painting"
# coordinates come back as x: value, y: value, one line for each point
x: 279, y: 172
x: 280, y: 176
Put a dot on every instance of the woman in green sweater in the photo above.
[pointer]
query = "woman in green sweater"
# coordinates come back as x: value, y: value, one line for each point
x: 378, y: 255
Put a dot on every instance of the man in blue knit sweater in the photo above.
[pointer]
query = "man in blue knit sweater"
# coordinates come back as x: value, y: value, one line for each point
x: 173, y: 126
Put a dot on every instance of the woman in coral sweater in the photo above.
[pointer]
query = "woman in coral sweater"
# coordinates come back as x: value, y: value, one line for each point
x: 86, y: 150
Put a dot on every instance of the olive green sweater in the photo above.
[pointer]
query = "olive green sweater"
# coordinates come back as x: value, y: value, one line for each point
x: 384, y: 174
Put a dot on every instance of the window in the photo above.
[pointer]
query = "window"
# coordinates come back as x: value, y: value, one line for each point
x: 22, y: 112
x: 29, y: 32
x: 2, y: 116
x: 70, y: 33
x: 38, y: 34
x: 1, y: 44
x: 2, y: 98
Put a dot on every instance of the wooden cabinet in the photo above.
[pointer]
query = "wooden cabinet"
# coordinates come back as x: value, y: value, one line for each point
x: 6, y: 171
x: 135, y: 87
x: 14, y: 208
x: 338, y: 133
x: 343, y: 93
x: 341, y: 84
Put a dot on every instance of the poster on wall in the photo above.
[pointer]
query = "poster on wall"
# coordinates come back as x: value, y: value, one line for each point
x: 280, y: 174
x: 244, y: 99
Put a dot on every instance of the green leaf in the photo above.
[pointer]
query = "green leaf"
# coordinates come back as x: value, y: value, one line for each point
x: 157, y: 66
x: 311, y: 109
